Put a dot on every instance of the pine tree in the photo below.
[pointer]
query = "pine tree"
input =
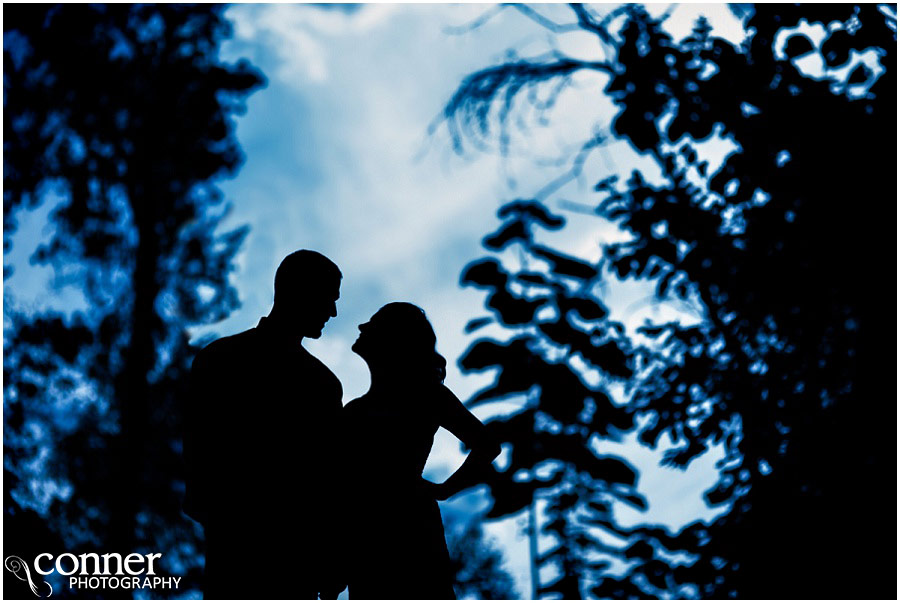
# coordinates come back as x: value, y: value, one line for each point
x: 785, y: 249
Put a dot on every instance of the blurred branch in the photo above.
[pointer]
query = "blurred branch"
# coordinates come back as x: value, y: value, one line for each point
x: 668, y: 12
x: 575, y: 171
x: 486, y: 16
x: 524, y: 9
x: 475, y: 96
x: 545, y: 22
x: 587, y: 21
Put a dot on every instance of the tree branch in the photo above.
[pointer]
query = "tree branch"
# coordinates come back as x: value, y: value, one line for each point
x: 574, y: 171
x: 586, y: 21
x: 545, y: 22
x: 475, y: 96
x: 486, y: 16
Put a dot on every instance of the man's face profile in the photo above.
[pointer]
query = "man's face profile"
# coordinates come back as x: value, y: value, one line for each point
x: 307, y: 287
x: 318, y: 309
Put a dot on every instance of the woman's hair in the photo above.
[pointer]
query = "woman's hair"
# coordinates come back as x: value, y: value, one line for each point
x: 413, y: 341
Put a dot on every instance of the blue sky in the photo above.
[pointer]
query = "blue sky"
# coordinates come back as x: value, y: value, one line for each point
x: 339, y: 159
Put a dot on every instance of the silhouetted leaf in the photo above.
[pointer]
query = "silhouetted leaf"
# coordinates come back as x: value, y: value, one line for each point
x: 718, y: 495
x: 566, y: 586
x: 486, y: 353
x: 477, y: 323
x: 641, y: 549
x: 859, y: 75
x: 514, y: 230
x: 614, y: 469
x: 588, y: 309
x: 509, y: 497
x: 599, y: 507
x: 680, y: 457
x: 484, y: 273
x: 531, y: 210
x: 836, y: 48
x: 565, y: 265
x: 797, y: 45
x: 512, y: 309
x: 610, y: 358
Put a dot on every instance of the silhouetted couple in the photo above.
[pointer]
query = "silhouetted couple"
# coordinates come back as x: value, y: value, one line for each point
x: 299, y: 496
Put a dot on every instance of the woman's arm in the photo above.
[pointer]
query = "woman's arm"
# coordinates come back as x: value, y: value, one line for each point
x: 457, y: 419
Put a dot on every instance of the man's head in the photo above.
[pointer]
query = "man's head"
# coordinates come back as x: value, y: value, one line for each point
x: 307, y: 285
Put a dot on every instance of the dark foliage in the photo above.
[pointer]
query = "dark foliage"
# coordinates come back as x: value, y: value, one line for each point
x: 789, y: 248
x: 559, y: 326
x: 477, y: 564
x: 123, y: 111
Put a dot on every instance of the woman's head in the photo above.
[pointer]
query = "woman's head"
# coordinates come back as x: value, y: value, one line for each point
x: 398, y: 340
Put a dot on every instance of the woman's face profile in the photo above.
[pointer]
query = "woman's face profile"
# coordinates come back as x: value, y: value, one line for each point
x: 392, y: 332
x: 371, y: 337
x: 398, y: 340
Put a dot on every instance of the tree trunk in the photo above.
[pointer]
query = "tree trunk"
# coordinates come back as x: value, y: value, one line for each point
x: 132, y: 389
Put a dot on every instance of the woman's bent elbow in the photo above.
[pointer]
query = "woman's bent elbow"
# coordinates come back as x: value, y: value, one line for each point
x: 490, y: 450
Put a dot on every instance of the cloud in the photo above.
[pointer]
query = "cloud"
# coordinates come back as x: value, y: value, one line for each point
x: 299, y: 34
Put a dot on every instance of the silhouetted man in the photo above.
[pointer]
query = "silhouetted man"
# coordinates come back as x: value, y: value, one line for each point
x: 261, y: 449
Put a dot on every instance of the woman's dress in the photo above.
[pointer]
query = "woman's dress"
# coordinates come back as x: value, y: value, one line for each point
x: 396, y: 538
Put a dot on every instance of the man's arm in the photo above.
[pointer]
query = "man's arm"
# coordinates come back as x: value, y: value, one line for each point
x: 197, y: 443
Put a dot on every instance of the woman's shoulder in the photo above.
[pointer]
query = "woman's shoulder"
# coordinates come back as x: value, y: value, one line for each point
x: 443, y: 395
x: 432, y: 399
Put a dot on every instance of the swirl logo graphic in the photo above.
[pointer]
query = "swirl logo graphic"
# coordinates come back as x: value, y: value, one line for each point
x: 21, y: 571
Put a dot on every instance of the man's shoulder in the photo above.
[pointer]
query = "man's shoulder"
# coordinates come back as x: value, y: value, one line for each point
x: 226, y: 347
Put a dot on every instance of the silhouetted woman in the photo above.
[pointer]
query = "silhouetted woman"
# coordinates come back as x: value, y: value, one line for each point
x: 396, y: 538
